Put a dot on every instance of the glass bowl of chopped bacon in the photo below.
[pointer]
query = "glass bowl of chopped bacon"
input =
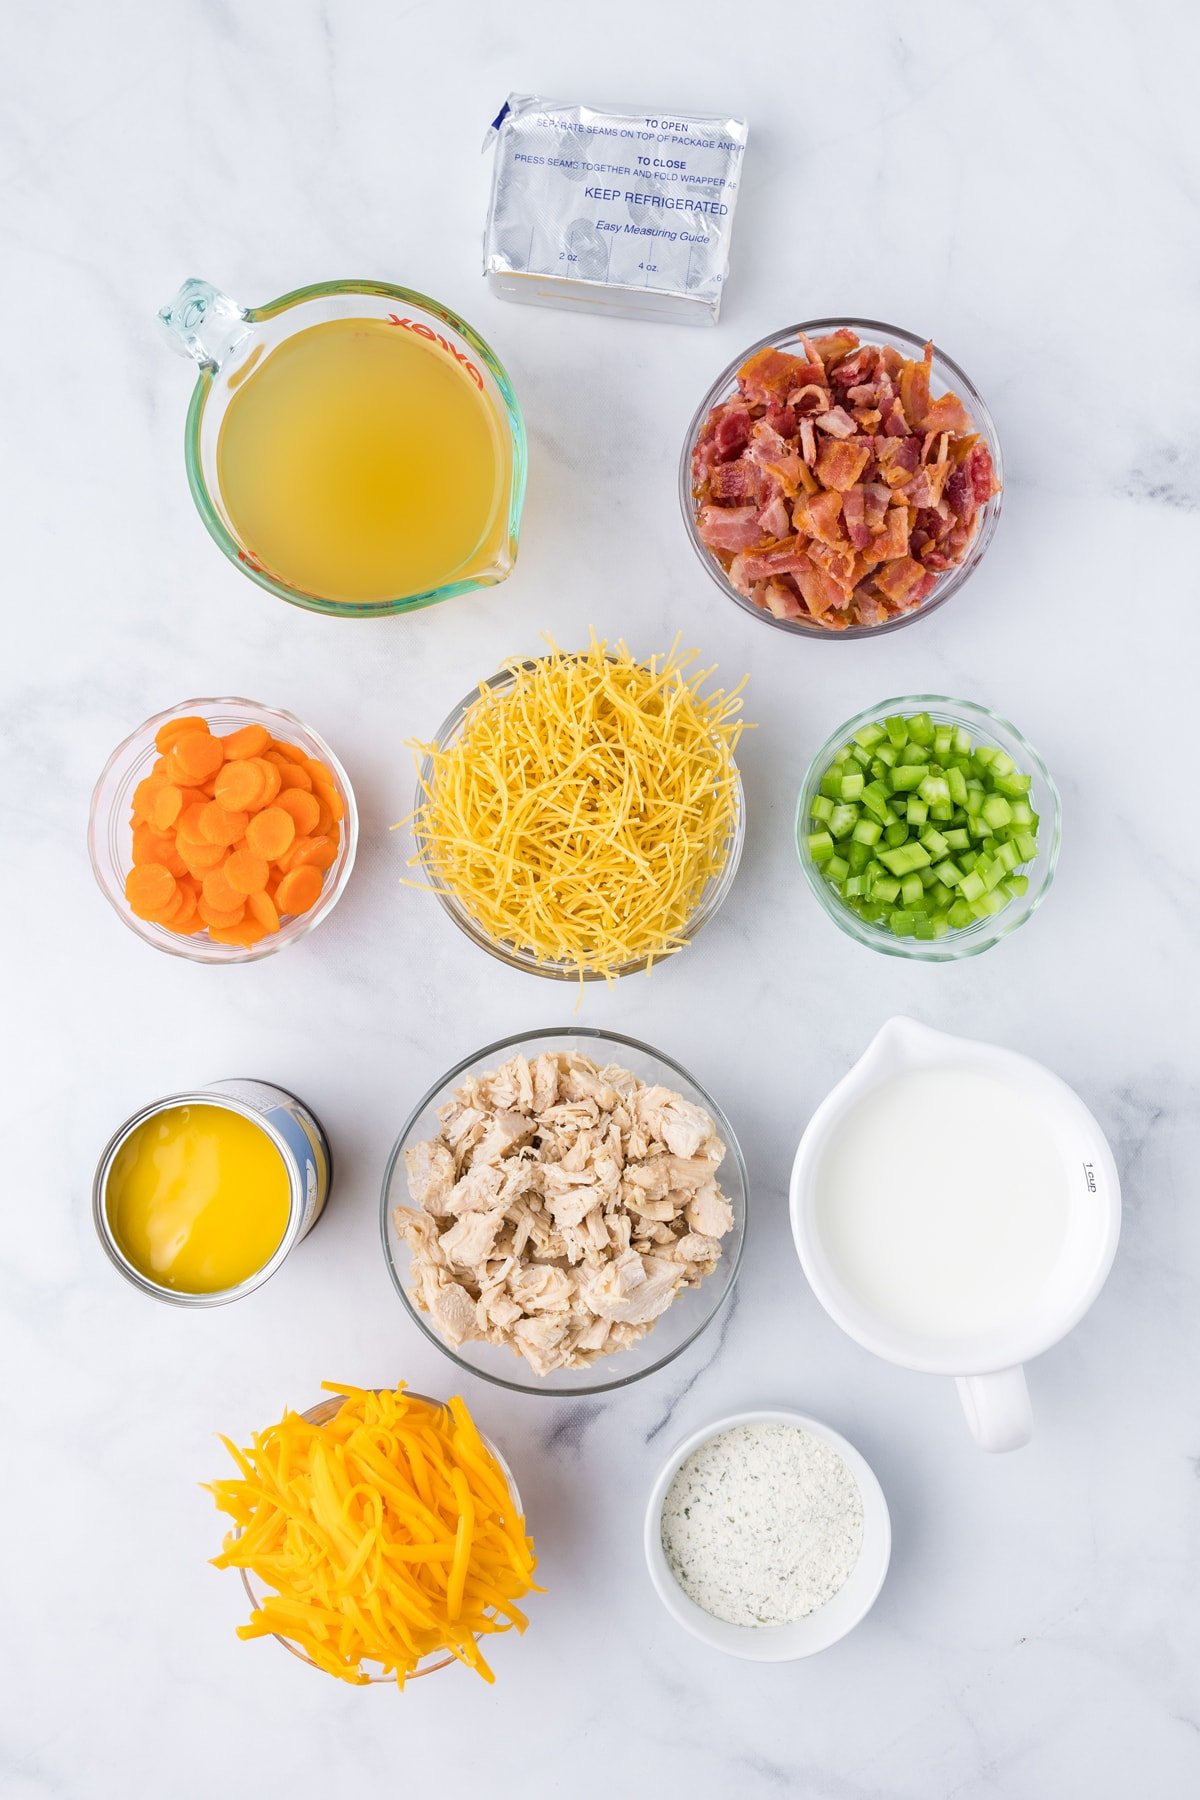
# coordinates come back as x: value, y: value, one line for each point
x: 841, y: 476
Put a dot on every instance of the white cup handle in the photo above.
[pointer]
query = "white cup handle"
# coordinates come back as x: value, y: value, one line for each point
x: 997, y: 1408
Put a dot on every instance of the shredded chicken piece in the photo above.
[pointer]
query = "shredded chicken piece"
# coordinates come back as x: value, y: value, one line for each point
x: 561, y: 1209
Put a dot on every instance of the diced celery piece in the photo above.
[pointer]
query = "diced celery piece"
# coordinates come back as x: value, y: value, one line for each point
x: 852, y: 887
x: 1007, y: 855
x: 911, y: 890
x: 871, y: 911
x: 897, y: 730
x: 962, y: 740
x: 902, y: 923
x: 995, y: 875
x: 943, y: 740
x: 938, y: 897
x: 922, y: 928
x: 844, y: 819
x: 967, y: 859
x: 917, y: 812
x: 862, y: 757
x: 928, y: 878
x: 934, y: 788
x: 885, y: 754
x: 906, y: 777
x: 1026, y: 845
x: 1013, y: 785
x: 1022, y: 812
x: 984, y: 754
x: 820, y: 846
x: 885, y: 887
x: 902, y: 859
x: 920, y: 728
x: 941, y: 925
x: 996, y: 811
x: 942, y: 811
x: 978, y: 826
x: 837, y: 869
x: 948, y: 872
x: 972, y: 886
x: 868, y: 736
x: 1002, y: 763
x: 960, y: 914
x: 896, y: 833
x: 869, y: 831
x: 956, y: 781
x: 934, y: 842
x: 842, y: 756
x: 913, y: 753
x: 859, y: 856
x: 991, y: 904
x: 822, y: 808
x: 852, y: 785
x: 831, y: 784
x: 875, y: 799
x: 957, y: 838
x: 1017, y: 885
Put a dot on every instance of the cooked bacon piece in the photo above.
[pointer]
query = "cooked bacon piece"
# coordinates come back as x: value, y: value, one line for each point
x: 781, y: 601
x: 834, y: 487
x: 840, y: 463
x: 836, y: 423
x: 899, y: 580
x: 772, y: 374
x: 740, y: 483
x: 729, y: 528
x: 854, y: 511
x: 774, y: 520
x: 820, y: 517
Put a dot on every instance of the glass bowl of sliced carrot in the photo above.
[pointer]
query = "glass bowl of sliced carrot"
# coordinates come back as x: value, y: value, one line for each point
x: 222, y: 829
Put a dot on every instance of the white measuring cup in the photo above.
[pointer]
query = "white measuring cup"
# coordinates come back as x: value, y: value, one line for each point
x: 986, y: 1365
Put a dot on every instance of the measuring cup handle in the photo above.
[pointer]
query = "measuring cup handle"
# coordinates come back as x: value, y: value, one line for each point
x: 203, y: 322
x: 997, y: 1408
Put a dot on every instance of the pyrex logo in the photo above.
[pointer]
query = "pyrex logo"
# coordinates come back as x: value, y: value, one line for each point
x: 435, y: 337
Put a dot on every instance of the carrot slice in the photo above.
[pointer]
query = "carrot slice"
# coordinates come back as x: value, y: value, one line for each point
x: 218, y: 917
x: 220, y: 826
x: 174, y: 729
x: 270, y: 775
x: 304, y: 808
x: 251, y: 740
x: 156, y: 846
x: 245, y: 872
x: 270, y: 833
x: 248, y: 932
x: 299, y: 889
x: 194, y: 757
x: 264, y: 910
x: 241, y: 786
x: 198, y: 859
x: 165, y: 807
x: 149, y: 888
x: 291, y: 752
x: 218, y: 893
x: 144, y: 796
x: 291, y: 775
x: 186, y: 919
x: 310, y: 852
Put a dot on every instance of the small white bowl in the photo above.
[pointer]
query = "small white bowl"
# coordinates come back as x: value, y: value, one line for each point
x: 828, y: 1623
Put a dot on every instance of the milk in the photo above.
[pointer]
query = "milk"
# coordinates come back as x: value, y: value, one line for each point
x: 942, y: 1203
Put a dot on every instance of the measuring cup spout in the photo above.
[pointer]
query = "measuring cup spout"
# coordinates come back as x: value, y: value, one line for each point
x: 204, y: 323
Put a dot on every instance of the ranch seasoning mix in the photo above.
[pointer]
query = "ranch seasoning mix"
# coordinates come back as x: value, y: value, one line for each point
x: 612, y: 209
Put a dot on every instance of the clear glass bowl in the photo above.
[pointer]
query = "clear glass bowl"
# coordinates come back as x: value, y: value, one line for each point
x: 320, y: 1414
x: 517, y: 957
x: 110, y: 832
x: 687, y: 1316
x: 947, y: 376
x: 987, y: 727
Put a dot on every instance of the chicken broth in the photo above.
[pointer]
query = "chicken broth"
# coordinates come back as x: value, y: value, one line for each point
x: 360, y: 461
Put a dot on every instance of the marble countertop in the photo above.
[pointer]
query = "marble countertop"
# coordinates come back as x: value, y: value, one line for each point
x: 1019, y: 182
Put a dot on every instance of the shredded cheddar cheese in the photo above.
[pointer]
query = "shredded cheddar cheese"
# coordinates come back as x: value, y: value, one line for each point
x: 389, y: 1534
x: 582, y: 808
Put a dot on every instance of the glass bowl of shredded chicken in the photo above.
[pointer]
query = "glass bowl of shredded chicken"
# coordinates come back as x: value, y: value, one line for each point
x: 580, y: 815
x: 564, y: 1212
x: 841, y: 478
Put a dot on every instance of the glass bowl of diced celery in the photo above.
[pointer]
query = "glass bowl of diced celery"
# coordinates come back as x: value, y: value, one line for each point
x: 928, y: 827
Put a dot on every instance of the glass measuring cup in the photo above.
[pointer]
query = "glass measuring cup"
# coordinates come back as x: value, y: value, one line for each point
x: 230, y: 341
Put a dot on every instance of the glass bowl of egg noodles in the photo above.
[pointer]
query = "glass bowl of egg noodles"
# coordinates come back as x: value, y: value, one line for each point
x: 581, y: 816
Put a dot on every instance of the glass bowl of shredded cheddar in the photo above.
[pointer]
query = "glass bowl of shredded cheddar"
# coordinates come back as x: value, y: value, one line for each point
x: 379, y: 1536
x: 580, y: 815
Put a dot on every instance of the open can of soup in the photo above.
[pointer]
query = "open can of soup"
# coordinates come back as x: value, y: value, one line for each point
x: 200, y: 1196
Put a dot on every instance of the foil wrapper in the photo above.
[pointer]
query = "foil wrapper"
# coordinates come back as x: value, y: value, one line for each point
x: 612, y: 209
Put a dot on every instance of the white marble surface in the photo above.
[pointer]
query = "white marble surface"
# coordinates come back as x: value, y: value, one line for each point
x: 1019, y: 181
